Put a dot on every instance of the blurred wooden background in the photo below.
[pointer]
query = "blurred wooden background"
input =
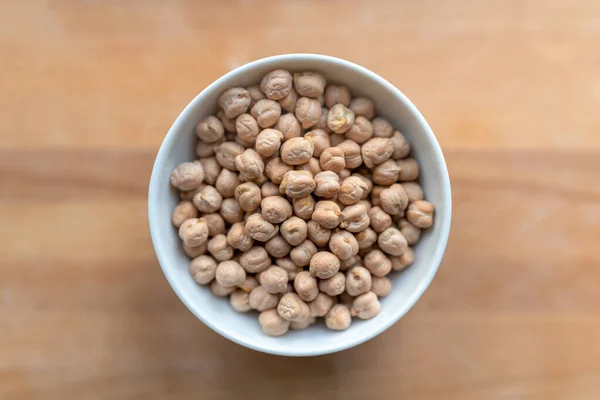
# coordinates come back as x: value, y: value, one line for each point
x: 88, y: 90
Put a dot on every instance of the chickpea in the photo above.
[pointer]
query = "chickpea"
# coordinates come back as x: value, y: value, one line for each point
x: 255, y: 95
x: 269, y: 189
x: 302, y: 324
x: 274, y: 279
x: 350, y: 262
x: 320, y: 140
x: 360, y: 131
x: 409, y: 169
x: 266, y: 112
x: 276, y: 169
x: 275, y: 209
x: 204, y: 150
x: 255, y: 260
x: 248, y: 194
x: 216, y: 224
x: 328, y: 184
x: 226, y: 182
x: 239, y: 301
x: 211, y: 169
x: 394, y: 199
x: 288, y: 103
x: 297, y: 184
x: 320, y: 305
x: 260, y: 229
x: 231, y: 211
x: 322, y: 124
x: 382, y: 128
x: 277, y: 84
x: 376, y: 195
x: 306, y: 286
x: 401, y: 146
x: 219, y: 248
x: 380, y: 220
x: 289, y: 126
x: 366, y: 306
x: 278, y: 247
x: 187, y: 176
x: 210, y: 129
x: 340, y: 118
x: 355, y: 218
x: 420, y: 214
x: 345, y: 299
x: 228, y: 123
x: 247, y: 128
x: 261, y: 300
x: 381, y: 286
x: 358, y: 281
x: 268, y: 142
x: 376, y: 150
x: 363, y: 107
x: 309, y: 84
x: 377, y: 262
x: 219, y: 290
x: 313, y: 166
x: 308, y: 111
x: 196, y: 251
x: 365, y: 177
x: 410, y: 232
x: 327, y: 214
x: 230, y: 273
x: 304, y: 207
x: 392, y: 241
x: 183, y: 211
x: 249, y: 284
x: 335, y: 140
x: 234, y: 101
x: 338, y: 318
x: 386, y: 173
x: 226, y: 154
x: 302, y: 254
x: 317, y: 234
x: 324, y: 265
x: 413, y: 190
x: 337, y: 95
x: 332, y: 159
x: 208, y: 200
x: 294, y: 230
x: 297, y: 151
x: 194, y: 232
x: 292, y: 308
x: 352, y: 190
x: 272, y: 324
x: 366, y: 238
x: 245, y: 144
x: 343, y: 244
x: 250, y: 164
x: 352, y: 155
x: 203, y: 269
x: 404, y: 260
x: 334, y: 285
x: 290, y: 267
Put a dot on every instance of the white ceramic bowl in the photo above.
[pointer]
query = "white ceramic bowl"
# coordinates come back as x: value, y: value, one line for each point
x: 408, y: 285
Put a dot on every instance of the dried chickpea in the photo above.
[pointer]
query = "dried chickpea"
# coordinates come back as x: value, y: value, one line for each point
x: 269, y: 189
x: 386, y: 173
x: 410, y: 232
x: 375, y: 195
x: 194, y: 232
x: 296, y: 151
x: 401, y: 146
x: 189, y: 195
x: 255, y: 95
x: 261, y: 300
x: 183, y: 211
x: 249, y: 284
x: 320, y: 140
x: 294, y: 230
x: 304, y: 206
x: 324, y: 265
x: 234, y: 101
x: 308, y: 111
x: 355, y: 218
x: 196, y: 251
x: 380, y: 220
x: 366, y: 178
x: 260, y: 229
x: 360, y: 131
x: 392, y: 241
x: 381, y: 286
x: 187, y: 176
x: 239, y: 301
x: 249, y: 196
x: 337, y: 95
x: 219, y: 248
x: 340, y: 118
x: 278, y: 247
x: 302, y: 324
x: 404, y: 260
x: 272, y: 324
x: 250, y: 164
x: 336, y: 139
x: 366, y: 238
x: 349, y: 263
x: 322, y: 124
x: 274, y: 279
x: 210, y: 129
x: 332, y: 159
x: 297, y: 184
x: 288, y: 103
x: 328, y: 184
x: 313, y: 166
x: 226, y: 182
x: 352, y: 155
x: 327, y: 214
x: 275, y: 209
x: 317, y: 234
x: 343, y: 244
x: 377, y: 263
x: 211, y: 168
x: 207, y: 149
x: 216, y: 224
x: 321, y: 305
x: 413, y: 190
x: 277, y: 84
x: 409, y: 169
x: 334, y: 285
x: 228, y: 123
x: 352, y: 190
x: 289, y: 126
x: 247, y: 128
x: 208, y: 200
x: 306, y: 286
x: 382, y: 128
x: 393, y: 199
x: 231, y: 211
x: 358, y: 281
x: 203, y: 269
x: 376, y: 150
x: 226, y: 154
x: 302, y: 253
x: 292, y: 308
x: 230, y: 273
x: 338, y: 318
x: 366, y: 306
x: 420, y: 214
x: 268, y: 142
x: 276, y: 169
x: 346, y: 299
x: 219, y: 290
x: 363, y: 107
x: 243, y: 143
x: 255, y: 260
x: 266, y: 112
x: 309, y: 84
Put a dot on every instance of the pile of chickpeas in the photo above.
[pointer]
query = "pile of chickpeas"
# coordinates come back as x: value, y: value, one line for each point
x: 300, y: 203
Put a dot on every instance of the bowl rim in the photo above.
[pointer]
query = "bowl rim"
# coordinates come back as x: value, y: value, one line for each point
x: 444, y: 219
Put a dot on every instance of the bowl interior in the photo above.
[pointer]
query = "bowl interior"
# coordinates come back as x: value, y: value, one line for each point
x: 408, y: 285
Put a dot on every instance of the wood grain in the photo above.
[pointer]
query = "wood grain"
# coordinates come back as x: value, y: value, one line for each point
x: 88, y: 90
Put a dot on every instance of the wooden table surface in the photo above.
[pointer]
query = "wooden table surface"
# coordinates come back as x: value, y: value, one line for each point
x: 88, y: 90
